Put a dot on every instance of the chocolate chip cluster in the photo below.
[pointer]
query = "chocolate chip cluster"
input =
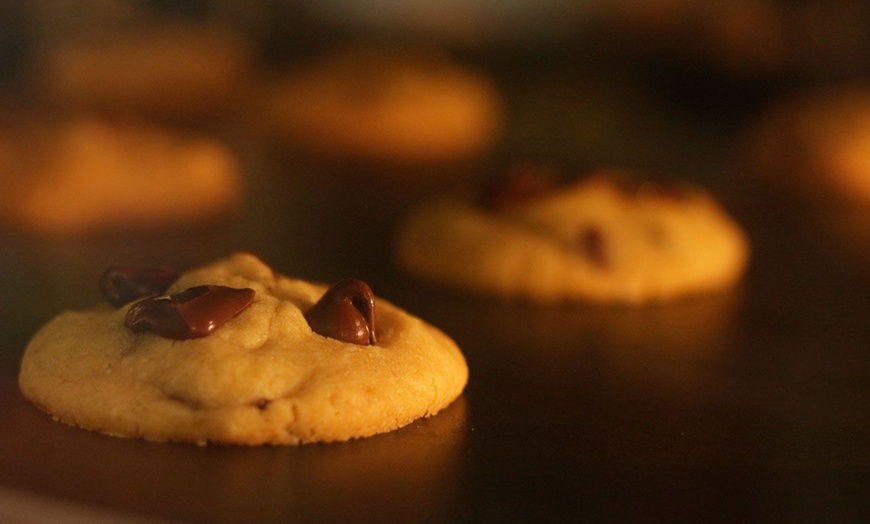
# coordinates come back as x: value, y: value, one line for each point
x: 346, y: 312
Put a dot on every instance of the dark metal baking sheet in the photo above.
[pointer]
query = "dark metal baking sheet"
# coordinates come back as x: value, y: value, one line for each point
x: 743, y: 406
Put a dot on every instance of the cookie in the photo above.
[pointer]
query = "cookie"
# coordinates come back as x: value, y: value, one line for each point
x: 92, y: 174
x: 600, y: 239
x: 747, y: 38
x: 234, y: 353
x: 170, y: 70
x: 385, y: 105
x: 816, y: 144
x: 777, y: 42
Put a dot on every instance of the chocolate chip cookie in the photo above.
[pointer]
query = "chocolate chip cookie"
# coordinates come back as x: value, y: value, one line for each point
x: 234, y: 353
x: 606, y: 238
x: 89, y: 174
x: 378, y: 104
x: 815, y: 144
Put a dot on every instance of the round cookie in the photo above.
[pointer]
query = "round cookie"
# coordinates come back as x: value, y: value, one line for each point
x: 385, y: 105
x: 263, y: 377
x: 89, y: 174
x: 599, y: 239
x: 817, y: 143
x: 748, y: 38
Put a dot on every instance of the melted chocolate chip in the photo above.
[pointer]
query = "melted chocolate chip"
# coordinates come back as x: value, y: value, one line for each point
x: 592, y: 244
x: 345, y: 312
x: 523, y: 183
x: 120, y: 285
x: 192, y: 313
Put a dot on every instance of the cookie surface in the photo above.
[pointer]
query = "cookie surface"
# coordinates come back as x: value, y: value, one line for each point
x: 263, y: 377
x: 594, y: 240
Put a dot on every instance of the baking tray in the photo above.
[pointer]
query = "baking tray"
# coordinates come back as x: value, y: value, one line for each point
x: 746, y: 405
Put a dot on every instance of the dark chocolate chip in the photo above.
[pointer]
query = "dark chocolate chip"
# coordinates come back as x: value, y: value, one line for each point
x: 120, y: 285
x: 345, y: 312
x: 592, y: 243
x: 523, y: 183
x: 192, y: 313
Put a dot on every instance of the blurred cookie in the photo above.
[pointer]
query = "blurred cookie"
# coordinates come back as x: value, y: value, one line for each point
x: 816, y: 143
x: 600, y: 239
x: 90, y: 174
x: 746, y: 39
x: 170, y: 70
x: 235, y: 353
x: 385, y: 105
